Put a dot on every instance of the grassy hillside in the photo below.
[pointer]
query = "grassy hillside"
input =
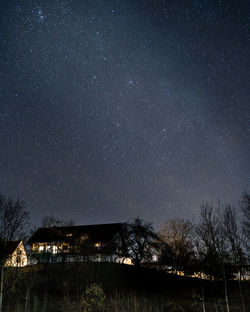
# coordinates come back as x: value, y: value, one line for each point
x: 59, y: 287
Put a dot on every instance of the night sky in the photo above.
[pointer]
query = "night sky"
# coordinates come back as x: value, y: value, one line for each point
x: 114, y: 109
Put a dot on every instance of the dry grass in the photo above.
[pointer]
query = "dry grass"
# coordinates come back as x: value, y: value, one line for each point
x: 57, y: 288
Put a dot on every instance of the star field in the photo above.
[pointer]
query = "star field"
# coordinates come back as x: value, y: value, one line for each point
x: 113, y: 109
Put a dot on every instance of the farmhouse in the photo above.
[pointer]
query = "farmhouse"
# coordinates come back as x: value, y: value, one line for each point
x: 98, y: 242
x: 14, y: 253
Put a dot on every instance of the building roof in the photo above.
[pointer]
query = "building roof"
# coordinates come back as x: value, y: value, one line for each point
x: 95, y: 232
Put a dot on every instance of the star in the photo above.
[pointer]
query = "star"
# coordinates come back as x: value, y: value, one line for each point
x: 129, y: 108
x: 41, y: 16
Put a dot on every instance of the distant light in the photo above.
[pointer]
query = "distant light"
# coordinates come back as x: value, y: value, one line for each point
x: 54, y: 249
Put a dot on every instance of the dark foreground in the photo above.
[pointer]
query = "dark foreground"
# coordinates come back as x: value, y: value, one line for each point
x: 59, y: 288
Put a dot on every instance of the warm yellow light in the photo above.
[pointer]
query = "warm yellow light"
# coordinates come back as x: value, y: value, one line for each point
x: 69, y: 234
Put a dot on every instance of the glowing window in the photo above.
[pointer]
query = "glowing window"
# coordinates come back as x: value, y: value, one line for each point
x: 41, y: 248
x: 54, y: 249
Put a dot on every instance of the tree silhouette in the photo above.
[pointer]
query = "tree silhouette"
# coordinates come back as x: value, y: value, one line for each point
x: 140, y: 241
x: 13, y: 223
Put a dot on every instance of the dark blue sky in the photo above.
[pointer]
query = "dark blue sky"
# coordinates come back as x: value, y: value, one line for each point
x: 113, y: 109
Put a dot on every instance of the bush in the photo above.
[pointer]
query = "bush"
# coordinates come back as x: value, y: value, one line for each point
x: 93, y: 299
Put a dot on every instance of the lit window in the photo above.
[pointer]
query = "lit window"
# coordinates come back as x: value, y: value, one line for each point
x: 41, y: 248
x: 54, y: 249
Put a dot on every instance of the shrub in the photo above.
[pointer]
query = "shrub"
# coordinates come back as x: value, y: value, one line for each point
x: 93, y: 299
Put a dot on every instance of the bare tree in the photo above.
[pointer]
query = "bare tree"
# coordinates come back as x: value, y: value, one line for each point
x: 13, y: 219
x: 234, y: 239
x: 212, y: 245
x: 177, y: 248
x: 13, y: 225
x: 219, y: 244
x: 233, y: 236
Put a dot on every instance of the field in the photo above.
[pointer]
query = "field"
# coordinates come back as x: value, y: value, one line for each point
x: 59, y: 288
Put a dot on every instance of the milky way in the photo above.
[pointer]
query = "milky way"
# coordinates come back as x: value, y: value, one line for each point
x: 114, y: 109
